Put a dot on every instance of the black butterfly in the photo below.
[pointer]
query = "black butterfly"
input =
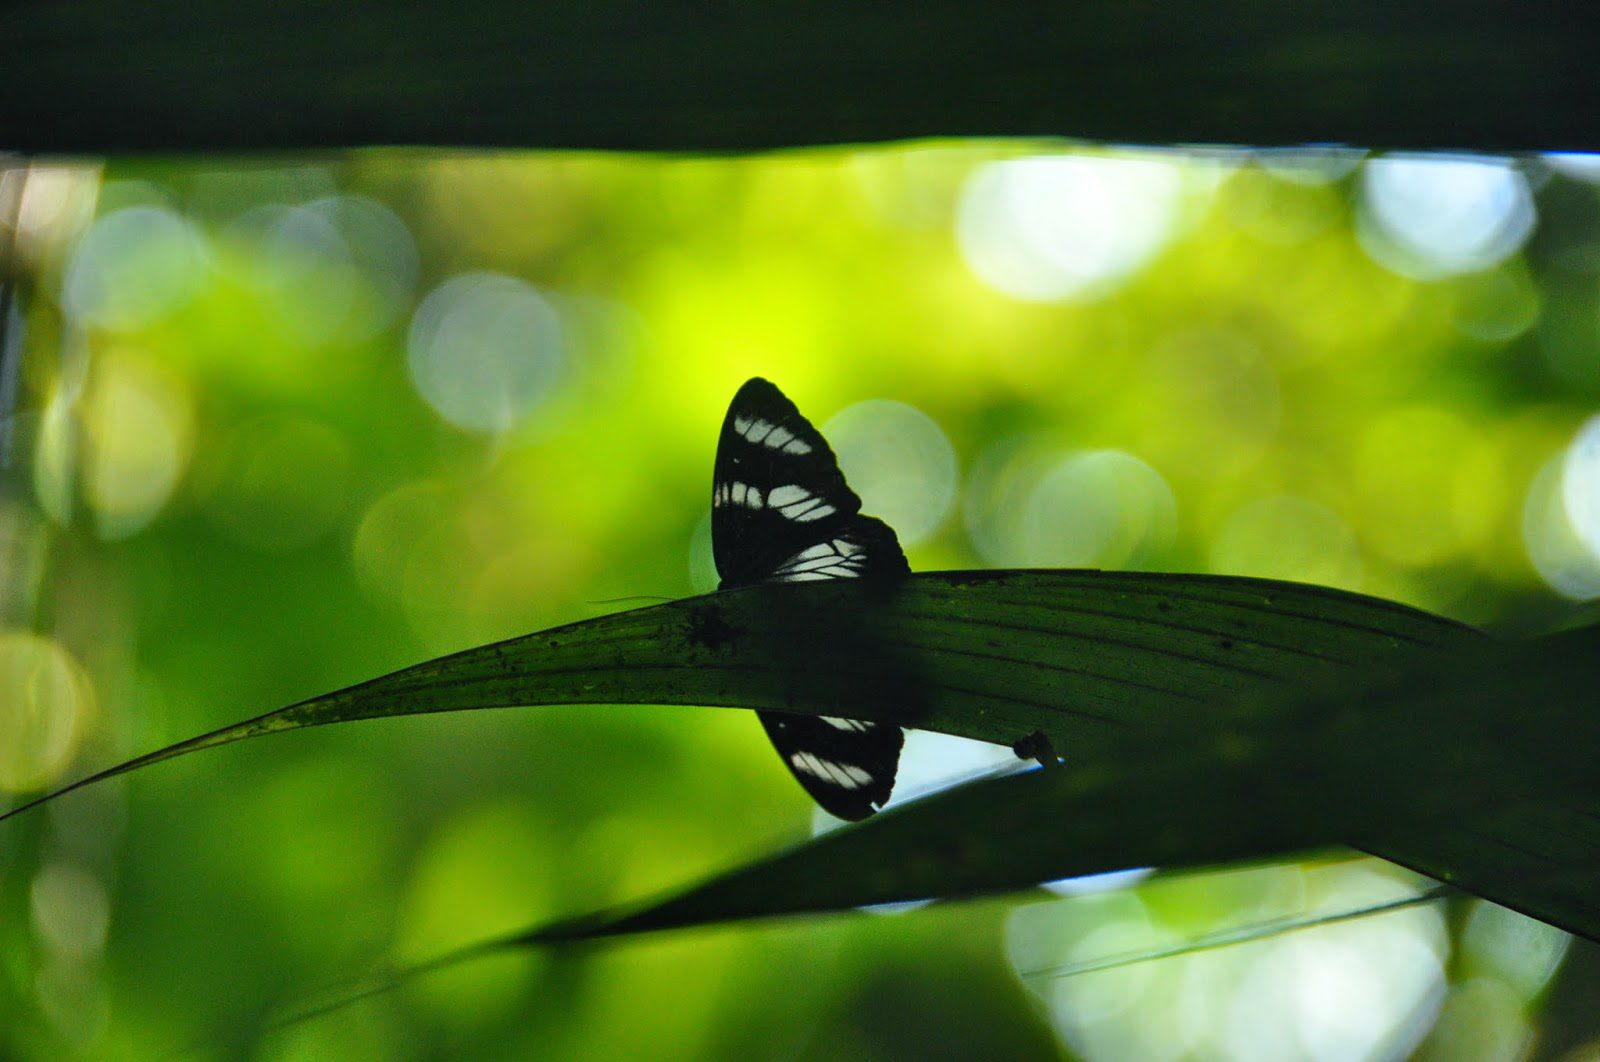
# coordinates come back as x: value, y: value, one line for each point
x: 781, y: 512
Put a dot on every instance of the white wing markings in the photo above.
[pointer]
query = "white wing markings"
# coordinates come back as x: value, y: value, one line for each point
x: 855, y: 725
x: 797, y: 503
x: 772, y: 436
x: 736, y: 494
x: 843, y: 775
x: 837, y: 558
x: 789, y: 494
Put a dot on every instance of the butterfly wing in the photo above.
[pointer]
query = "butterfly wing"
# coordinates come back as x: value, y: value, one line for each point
x: 782, y: 512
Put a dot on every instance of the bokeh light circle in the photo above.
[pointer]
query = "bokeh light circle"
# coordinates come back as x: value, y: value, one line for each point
x: 133, y: 267
x: 703, y: 577
x: 71, y: 911
x: 1098, y: 509
x: 335, y: 271
x: 1358, y: 988
x: 1428, y: 218
x: 1057, y: 227
x: 1497, y: 305
x: 379, y: 242
x: 485, y: 350
x: 1580, y: 484
x: 46, y: 703
x: 899, y: 461
x: 399, y: 531
x: 1555, y: 548
x: 1578, y: 165
x: 1311, y: 164
x: 1028, y: 506
x: 127, y: 433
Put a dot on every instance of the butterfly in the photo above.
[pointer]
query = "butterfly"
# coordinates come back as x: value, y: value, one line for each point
x: 782, y: 512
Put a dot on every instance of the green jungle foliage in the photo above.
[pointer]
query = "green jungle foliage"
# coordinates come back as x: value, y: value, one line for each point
x: 287, y: 426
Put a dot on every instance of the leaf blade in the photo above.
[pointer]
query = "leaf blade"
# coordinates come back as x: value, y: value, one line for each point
x: 1251, y: 784
x: 1081, y: 656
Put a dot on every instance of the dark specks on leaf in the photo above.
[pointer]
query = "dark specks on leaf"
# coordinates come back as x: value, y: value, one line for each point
x: 707, y: 628
x: 974, y: 578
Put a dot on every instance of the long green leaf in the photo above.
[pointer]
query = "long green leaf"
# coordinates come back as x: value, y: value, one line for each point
x: 1404, y: 762
x: 1081, y: 656
x: 1393, y: 765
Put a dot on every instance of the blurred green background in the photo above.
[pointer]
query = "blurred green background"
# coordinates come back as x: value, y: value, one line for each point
x: 279, y: 426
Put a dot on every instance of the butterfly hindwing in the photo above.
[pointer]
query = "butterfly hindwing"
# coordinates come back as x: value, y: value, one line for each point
x: 782, y: 512
x: 847, y: 765
x: 864, y: 549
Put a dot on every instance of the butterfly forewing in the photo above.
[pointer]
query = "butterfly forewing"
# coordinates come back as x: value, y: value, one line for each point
x: 777, y: 488
x: 782, y: 512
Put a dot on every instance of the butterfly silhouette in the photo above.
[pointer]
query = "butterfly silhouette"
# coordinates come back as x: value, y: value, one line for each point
x: 782, y: 512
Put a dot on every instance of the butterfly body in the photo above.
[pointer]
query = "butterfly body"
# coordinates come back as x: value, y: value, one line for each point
x: 782, y: 512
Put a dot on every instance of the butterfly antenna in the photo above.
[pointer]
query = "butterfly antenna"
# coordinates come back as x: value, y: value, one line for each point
x: 1239, y: 935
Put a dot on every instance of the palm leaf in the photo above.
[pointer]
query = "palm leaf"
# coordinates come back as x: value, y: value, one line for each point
x: 1083, y: 657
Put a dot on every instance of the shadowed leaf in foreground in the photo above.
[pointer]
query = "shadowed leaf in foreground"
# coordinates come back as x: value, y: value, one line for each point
x: 1080, y: 656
